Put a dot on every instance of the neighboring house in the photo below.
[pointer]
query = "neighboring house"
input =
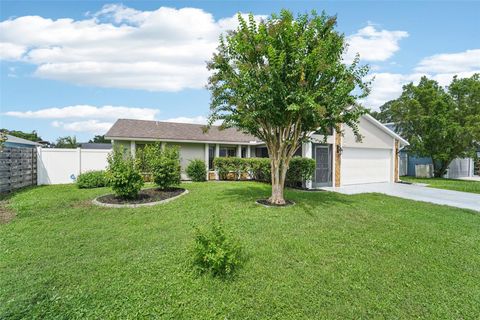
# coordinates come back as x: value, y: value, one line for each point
x: 15, y: 142
x: 341, y: 160
x: 459, y: 168
x: 96, y: 146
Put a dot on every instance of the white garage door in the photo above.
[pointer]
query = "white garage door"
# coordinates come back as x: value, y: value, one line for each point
x: 363, y: 165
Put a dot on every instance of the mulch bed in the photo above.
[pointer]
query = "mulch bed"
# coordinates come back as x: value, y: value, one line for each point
x: 267, y: 203
x: 144, y: 196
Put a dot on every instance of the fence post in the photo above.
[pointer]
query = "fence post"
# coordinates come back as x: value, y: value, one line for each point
x: 79, y: 152
x: 39, y: 160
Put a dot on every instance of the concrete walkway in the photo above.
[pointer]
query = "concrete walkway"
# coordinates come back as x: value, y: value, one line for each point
x: 474, y: 178
x: 416, y: 192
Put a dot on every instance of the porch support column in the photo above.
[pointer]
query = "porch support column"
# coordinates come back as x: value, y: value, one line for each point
x: 239, y: 151
x: 248, y: 152
x: 217, y: 154
x: 132, y: 148
x: 338, y: 155
x: 162, y: 145
x: 307, y: 153
x: 206, y: 158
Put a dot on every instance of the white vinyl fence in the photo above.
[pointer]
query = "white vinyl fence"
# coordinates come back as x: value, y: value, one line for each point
x: 460, y: 168
x: 57, y: 166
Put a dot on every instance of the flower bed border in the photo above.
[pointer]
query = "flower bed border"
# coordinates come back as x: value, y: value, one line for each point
x: 135, y: 205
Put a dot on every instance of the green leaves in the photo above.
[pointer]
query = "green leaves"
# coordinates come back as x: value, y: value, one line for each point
x: 215, y: 251
x: 196, y: 170
x: 123, y: 175
x: 438, y: 123
x: 277, y: 69
x: 166, y: 167
x: 283, y: 78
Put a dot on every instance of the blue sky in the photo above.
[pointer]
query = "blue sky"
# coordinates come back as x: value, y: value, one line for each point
x: 73, y: 67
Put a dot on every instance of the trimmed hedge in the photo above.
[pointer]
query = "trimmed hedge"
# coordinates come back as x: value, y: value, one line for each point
x: 300, y: 169
x: 91, y: 179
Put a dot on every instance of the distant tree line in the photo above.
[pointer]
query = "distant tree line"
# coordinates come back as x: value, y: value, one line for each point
x: 65, y: 142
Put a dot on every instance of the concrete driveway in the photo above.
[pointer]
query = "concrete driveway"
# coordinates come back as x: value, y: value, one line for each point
x: 416, y: 192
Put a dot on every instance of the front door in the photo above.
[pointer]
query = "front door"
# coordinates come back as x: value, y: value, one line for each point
x: 323, y: 168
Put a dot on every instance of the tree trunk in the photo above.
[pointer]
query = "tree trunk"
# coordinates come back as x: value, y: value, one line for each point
x: 440, y: 168
x: 279, y: 173
x: 277, y: 188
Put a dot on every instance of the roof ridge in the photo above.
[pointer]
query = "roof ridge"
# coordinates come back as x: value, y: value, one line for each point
x: 173, y: 122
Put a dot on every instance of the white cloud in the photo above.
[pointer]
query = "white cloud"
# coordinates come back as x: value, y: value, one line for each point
x: 197, y: 120
x: 373, y: 44
x: 440, y: 67
x: 120, y: 47
x: 466, y: 61
x: 11, y: 51
x: 91, y: 126
x: 387, y: 86
x: 87, y: 111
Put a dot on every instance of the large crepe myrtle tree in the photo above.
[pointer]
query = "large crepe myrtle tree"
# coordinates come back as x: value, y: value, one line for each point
x: 282, y: 78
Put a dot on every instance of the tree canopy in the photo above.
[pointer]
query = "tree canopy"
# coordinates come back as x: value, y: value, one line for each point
x: 441, y: 123
x: 281, y: 79
x: 32, y: 136
x: 67, y: 142
x: 99, y: 139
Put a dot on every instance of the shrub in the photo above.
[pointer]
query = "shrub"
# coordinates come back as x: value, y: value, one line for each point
x: 123, y: 175
x: 144, y: 157
x: 225, y: 165
x: 299, y: 170
x: 91, y: 179
x: 260, y: 169
x: 165, y: 168
x: 196, y: 170
x: 215, y: 251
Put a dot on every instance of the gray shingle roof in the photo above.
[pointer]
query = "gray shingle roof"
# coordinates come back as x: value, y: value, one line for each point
x: 13, y: 139
x: 158, y: 130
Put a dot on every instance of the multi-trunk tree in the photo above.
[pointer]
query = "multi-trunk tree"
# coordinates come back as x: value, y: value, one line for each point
x: 281, y: 79
x: 439, y: 123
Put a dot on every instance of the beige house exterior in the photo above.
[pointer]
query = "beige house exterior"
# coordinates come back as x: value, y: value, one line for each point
x: 340, y: 159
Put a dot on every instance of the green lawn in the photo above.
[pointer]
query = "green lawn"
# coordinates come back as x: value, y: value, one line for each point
x: 450, y: 184
x: 330, y: 256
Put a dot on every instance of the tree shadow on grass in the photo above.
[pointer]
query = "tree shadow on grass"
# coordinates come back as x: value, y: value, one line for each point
x: 307, y: 201
x: 8, y: 195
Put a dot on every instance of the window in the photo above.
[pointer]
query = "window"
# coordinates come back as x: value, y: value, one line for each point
x: 244, y: 152
x: 228, y: 151
x: 261, y: 152
x: 211, y: 156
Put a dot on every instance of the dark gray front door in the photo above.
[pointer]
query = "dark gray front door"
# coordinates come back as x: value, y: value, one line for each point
x: 323, y: 168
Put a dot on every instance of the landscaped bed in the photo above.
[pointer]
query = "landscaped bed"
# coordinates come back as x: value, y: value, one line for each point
x: 449, y: 184
x: 328, y: 256
x: 145, y: 196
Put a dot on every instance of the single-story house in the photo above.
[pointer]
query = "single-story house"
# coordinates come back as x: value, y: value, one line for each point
x: 341, y: 159
x: 16, y: 142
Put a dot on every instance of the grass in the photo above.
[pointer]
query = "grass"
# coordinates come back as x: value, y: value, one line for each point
x: 330, y: 256
x: 450, y: 184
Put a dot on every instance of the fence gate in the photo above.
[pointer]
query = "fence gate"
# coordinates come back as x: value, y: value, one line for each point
x: 18, y: 168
